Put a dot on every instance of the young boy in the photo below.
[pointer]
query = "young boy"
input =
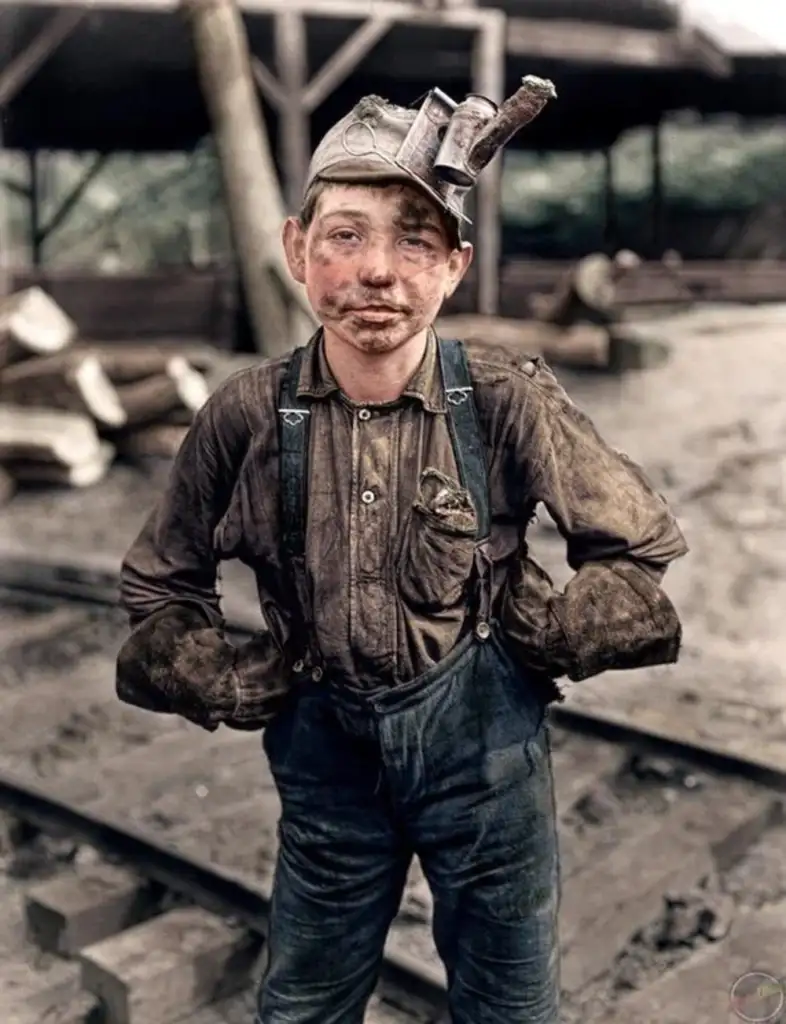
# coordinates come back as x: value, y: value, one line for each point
x: 379, y: 482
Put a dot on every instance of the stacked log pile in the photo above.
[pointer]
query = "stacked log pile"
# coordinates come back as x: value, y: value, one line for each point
x: 69, y: 407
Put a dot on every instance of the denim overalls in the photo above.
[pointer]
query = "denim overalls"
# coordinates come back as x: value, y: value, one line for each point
x: 454, y: 766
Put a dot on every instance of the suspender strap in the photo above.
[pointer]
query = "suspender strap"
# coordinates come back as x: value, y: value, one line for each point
x: 465, y: 430
x: 294, y: 432
x: 470, y: 458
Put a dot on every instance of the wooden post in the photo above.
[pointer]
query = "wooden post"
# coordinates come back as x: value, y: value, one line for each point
x: 609, y: 202
x: 255, y: 207
x: 34, y: 208
x: 294, y: 121
x: 5, y: 229
x: 657, y: 196
x: 488, y: 79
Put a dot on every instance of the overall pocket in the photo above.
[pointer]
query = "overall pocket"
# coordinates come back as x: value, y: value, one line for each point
x: 439, y: 541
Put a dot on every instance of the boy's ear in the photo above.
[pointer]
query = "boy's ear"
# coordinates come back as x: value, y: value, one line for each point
x: 293, y: 238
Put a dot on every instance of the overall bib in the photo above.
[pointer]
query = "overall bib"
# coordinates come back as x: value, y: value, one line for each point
x: 454, y: 766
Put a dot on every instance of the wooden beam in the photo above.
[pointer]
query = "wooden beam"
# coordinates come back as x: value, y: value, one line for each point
x: 73, y: 197
x: 657, y: 194
x: 488, y: 79
x: 344, y: 61
x: 590, y: 43
x: 609, y: 201
x: 291, y: 47
x: 268, y: 84
x: 24, y: 66
x: 344, y: 10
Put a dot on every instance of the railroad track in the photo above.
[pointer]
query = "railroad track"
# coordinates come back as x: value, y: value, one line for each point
x: 138, y: 852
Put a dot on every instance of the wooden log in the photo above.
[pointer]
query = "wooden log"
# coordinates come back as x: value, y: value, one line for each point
x: 67, y: 913
x: 161, y: 441
x: 254, y: 203
x: 127, y: 364
x: 81, y: 474
x: 148, y: 401
x: 32, y: 324
x: 198, y: 958
x: 40, y: 435
x: 71, y: 382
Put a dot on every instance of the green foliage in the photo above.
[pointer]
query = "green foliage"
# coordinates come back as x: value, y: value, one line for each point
x: 161, y: 210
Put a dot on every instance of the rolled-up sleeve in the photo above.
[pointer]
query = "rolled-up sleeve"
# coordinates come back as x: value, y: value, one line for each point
x: 620, y: 536
x: 173, y: 560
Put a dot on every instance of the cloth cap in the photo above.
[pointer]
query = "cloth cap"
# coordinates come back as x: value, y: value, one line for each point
x: 365, y: 147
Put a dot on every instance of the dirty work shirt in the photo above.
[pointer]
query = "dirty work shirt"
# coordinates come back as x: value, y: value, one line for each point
x: 391, y: 534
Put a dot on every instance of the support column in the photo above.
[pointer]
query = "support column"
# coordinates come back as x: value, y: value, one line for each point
x: 6, y: 283
x: 291, y: 47
x: 488, y: 79
x: 657, y: 194
x: 251, y: 186
x: 34, y: 207
x: 610, y: 227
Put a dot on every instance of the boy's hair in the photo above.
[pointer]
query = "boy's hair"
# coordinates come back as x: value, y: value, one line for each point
x: 311, y: 200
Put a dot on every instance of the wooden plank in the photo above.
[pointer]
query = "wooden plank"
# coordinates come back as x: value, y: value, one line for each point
x: 198, y: 958
x: 747, y: 966
x: 594, y: 43
x: 82, y: 907
x: 180, y: 304
x: 610, y: 902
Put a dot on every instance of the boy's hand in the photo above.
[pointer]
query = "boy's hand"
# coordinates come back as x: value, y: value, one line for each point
x: 175, y: 663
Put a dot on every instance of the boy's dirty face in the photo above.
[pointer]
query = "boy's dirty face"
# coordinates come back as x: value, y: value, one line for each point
x: 377, y: 263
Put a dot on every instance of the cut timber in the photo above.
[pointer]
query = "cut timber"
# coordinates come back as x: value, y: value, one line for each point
x: 126, y: 364
x: 609, y: 902
x: 743, y: 972
x: 66, y: 914
x: 148, y: 401
x: 168, y: 967
x: 157, y: 442
x: 72, y: 382
x: 83, y: 474
x: 584, y: 345
x: 32, y: 324
x: 37, y: 435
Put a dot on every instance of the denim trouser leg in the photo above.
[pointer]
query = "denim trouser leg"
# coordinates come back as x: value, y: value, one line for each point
x: 456, y: 767
x: 484, y: 828
x: 340, y: 872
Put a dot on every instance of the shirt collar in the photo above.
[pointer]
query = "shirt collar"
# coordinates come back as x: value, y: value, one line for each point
x: 425, y: 385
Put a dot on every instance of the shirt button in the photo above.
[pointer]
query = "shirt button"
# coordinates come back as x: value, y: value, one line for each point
x: 529, y: 368
x: 316, y: 675
x: 367, y: 497
x: 483, y: 631
x: 364, y: 414
x: 298, y: 666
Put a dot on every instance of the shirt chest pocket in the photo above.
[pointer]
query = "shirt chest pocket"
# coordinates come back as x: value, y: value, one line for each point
x: 438, y: 545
